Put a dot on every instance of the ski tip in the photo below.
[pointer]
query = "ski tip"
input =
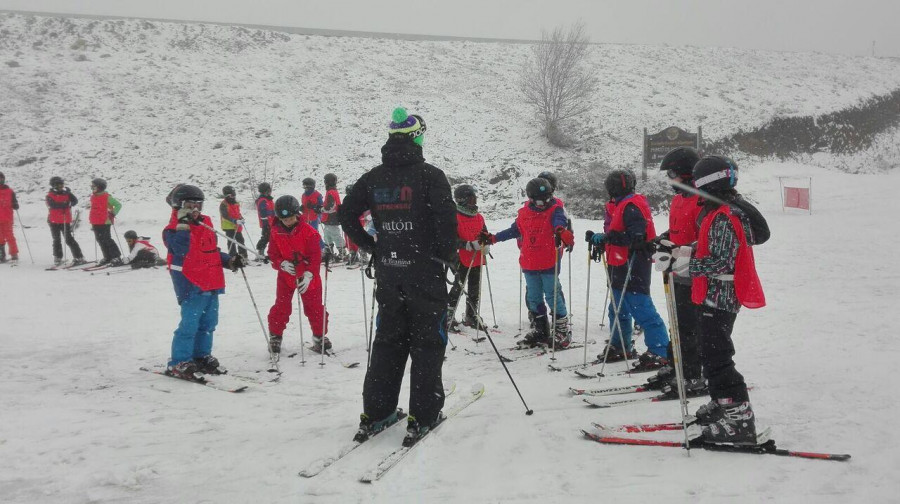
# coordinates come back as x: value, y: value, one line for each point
x: 477, y: 389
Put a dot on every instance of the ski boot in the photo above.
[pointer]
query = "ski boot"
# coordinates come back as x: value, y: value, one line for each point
x: 58, y: 261
x: 368, y: 428
x: 476, y: 323
x: 101, y: 262
x: 186, y: 370
x: 317, y: 344
x: 415, y: 431
x: 661, y: 378
x: 14, y: 259
x: 693, y: 387
x: 708, y: 413
x: 116, y: 262
x: 209, y: 365
x: 275, y: 345
x: 615, y: 353
x: 563, y: 334
x: 2, y: 254
x: 736, y: 425
x: 539, y: 333
x: 78, y: 261
x: 649, y: 361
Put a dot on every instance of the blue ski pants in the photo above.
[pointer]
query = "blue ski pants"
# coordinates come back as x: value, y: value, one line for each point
x: 539, y: 287
x: 638, y: 307
x: 194, y: 335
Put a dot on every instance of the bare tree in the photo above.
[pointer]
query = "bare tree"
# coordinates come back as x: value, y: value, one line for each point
x: 556, y: 81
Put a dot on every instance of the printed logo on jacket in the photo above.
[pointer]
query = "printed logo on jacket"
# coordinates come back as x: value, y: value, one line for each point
x: 393, y: 198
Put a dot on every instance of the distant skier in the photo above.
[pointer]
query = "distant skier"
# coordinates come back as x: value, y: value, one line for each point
x: 331, y: 224
x: 684, y: 210
x: 296, y: 254
x: 104, y: 209
x: 60, y: 201
x: 232, y: 221
x: 724, y: 278
x: 265, y: 210
x: 312, y: 203
x: 141, y: 253
x: 415, y: 219
x: 469, y: 226
x: 8, y: 205
x: 541, y: 229
x: 628, y: 232
x: 195, y: 265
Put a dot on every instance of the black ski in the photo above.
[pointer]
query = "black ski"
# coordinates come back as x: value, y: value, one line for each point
x: 200, y: 381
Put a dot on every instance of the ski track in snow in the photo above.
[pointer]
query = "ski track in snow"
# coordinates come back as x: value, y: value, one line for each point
x: 80, y: 423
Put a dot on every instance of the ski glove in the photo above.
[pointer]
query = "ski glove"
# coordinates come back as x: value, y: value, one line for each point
x: 240, y: 222
x: 487, y: 238
x: 681, y: 260
x: 640, y: 244
x: 597, y: 238
x: 236, y: 262
x: 565, y: 237
x: 304, y: 282
x: 288, y: 267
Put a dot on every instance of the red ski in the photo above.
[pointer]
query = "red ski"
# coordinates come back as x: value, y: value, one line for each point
x: 767, y: 448
x: 640, y: 427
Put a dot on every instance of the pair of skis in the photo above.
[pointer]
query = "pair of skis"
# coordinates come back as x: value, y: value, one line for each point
x: 218, y: 382
x: 391, y: 460
x: 766, y: 447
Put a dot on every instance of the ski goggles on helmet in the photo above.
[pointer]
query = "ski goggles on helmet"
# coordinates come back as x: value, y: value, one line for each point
x: 192, y: 204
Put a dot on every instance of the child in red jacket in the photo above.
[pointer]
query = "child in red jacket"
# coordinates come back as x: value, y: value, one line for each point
x: 294, y: 250
x: 469, y: 226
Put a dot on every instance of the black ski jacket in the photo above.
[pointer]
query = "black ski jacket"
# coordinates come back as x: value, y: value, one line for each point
x: 412, y: 209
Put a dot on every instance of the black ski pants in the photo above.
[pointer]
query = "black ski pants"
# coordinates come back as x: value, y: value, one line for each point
x: 717, y: 350
x: 108, y: 246
x: 410, y: 323
x: 264, y: 239
x: 688, y: 334
x: 237, y: 236
x: 143, y: 259
x: 472, y: 277
x: 57, y: 231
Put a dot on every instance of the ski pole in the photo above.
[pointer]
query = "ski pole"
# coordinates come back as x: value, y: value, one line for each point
x: 371, y: 326
x: 616, y: 323
x: 118, y: 240
x: 272, y: 358
x: 676, y: 355
x: 587, y: 302
x: 555, y: 296
x: 25, y: 235
x: 362, y: 278
x: 324, y: 311
x: 605, y: 299
x: 300, y: 323
x: 528, y: 411
x: 232, y: 240
x: 520, y: 299
x: 247, y: 230
x: 487, y: 273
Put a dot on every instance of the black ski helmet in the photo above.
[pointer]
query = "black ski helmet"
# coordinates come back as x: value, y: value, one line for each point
x: 679, y: 162
x: 539, y: 189
x: 309, y: 183
x: 330, y: 180
x: 131, y: 235
x: 549, y: 177
x: 620, y: 183
x: 715, y: 174
x: 264, y: 188
x: 286, y: 206
x: 55, y: 181
x: 99, y: 183
x: 185, y: 192
x: 463, y: 193
x: 229, y: 191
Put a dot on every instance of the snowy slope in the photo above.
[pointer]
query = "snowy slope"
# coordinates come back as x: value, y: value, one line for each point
x: 147, y: 105
x: 80, y: 423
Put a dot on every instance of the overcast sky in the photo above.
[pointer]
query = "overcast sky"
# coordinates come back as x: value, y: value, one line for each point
x: 835, y: 26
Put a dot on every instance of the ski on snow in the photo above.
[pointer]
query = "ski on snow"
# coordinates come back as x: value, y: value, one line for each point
x: 632, y: 428
x: 766, y: 448
x: 201, y: 381
x: 392, y: 459
x: 625, y: 389
x: 329, y: 353
x: 321, y: 464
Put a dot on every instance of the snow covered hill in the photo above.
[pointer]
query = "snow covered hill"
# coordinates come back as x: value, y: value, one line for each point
x: 149, y: 104
x: 80, y: 423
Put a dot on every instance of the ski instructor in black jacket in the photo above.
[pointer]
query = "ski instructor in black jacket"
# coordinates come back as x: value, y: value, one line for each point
x: 415, y: 222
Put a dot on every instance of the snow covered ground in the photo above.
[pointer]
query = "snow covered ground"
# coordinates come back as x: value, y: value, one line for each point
x: 79, y: 423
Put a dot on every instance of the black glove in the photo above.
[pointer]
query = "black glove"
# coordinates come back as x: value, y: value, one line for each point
x: 640, y: 244
x: 236, y: 262
x: 486, y: 238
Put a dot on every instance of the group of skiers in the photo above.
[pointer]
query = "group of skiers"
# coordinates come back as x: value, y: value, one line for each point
x: 63, y: 221
x: 403, y: 213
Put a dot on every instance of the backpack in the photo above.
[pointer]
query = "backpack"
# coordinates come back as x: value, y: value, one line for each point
x: 759, y: 228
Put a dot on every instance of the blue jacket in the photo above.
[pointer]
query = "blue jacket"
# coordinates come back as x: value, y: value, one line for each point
x: 178, y: 243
